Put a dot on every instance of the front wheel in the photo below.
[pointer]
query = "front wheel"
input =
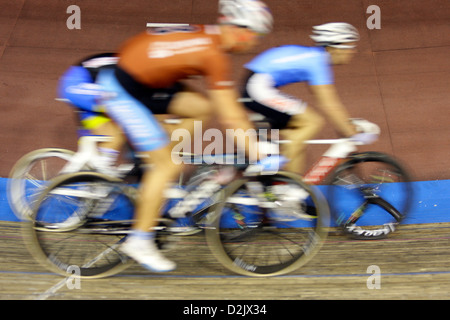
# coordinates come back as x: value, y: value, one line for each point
x: 267, y: 225
x: 370, y: 194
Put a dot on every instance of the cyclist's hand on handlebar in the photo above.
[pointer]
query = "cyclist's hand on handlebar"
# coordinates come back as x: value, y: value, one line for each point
x: 364, y: 138
x: 368, y: 132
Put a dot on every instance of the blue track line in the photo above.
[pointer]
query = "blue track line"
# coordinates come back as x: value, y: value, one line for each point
x: 239, y: 276
x: 431, y: 202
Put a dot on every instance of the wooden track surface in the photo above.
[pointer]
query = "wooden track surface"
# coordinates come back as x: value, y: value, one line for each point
x: 414, y: 263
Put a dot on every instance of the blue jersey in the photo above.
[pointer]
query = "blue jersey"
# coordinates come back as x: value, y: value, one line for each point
x: 293, y: 63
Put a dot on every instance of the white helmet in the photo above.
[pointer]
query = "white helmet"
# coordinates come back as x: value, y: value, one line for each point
x: 252, y: 14
x: 334, y: 34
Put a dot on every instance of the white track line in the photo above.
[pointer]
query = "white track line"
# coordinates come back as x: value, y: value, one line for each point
x: 52, y: 291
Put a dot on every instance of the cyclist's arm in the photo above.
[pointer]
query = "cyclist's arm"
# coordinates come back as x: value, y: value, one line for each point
x: 231, y: 114
x: 329, y: 101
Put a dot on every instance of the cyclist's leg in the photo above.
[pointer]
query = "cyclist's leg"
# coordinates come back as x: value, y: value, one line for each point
x: 154, y: 182
x: 289, y: 114
x: 190, y: 106
x: 300, y: 128
x: 146, y: 136
x: 100, y: 124
x: 188, y: 103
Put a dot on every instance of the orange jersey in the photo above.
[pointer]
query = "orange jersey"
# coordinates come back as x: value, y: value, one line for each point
x: 160, y: 57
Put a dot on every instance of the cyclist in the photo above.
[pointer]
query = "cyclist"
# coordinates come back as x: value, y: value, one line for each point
x: 77, y: 86
x: 146, y: 81
x: 276, y: 67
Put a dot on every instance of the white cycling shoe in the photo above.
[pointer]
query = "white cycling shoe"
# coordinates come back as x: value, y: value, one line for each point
x: 147, y: 254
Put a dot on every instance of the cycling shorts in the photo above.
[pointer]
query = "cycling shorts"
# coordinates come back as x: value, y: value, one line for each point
x: 136, y: 120
x: 157, y: 100
x: 261, y: 96
x: 78, y: 86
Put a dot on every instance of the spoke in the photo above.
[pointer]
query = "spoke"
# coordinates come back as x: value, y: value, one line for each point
x: 357, y: 213
x: 350, y: 179
x: 297, y: 243
x: 44, y: 169
x: 34, y: 181
x: 109, y: 249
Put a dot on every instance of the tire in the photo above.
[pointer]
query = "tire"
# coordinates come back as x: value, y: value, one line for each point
x: 370, y: 195
x: 30, y: 175
x: 91, y: 242
x: 252, y: 239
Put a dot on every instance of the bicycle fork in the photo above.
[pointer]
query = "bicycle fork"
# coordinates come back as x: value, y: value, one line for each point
x: 372, y: 198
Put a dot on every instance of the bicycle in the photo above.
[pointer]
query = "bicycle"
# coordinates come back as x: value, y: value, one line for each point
x: 31, y: 173
x: 370, y: 193
x: 251, y: 224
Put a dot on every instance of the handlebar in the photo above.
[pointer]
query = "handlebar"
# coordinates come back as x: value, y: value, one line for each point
x: 364, y: 126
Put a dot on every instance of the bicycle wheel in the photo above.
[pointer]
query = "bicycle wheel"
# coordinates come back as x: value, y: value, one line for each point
x: 30, y: 175
x: 270, y: 234
x: 80, y: 220
x: 370, y: 194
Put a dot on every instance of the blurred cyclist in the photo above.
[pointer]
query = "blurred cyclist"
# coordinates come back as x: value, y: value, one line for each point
x: 287, y: 64
x: 146, y: 82
x: 77, y: 86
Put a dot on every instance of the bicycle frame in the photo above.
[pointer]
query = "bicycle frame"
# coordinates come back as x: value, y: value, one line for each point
x: 338, y: 152
x: 334, y: 155
x: 88, y: 153
x: 330, y: 159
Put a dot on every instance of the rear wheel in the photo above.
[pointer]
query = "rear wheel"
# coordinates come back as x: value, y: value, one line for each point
x: 80, y: 221
x: 30, y: 175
